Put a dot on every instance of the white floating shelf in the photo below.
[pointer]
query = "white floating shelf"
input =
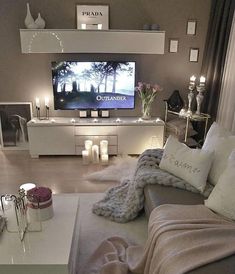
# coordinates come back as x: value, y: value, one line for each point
x: 92, y: 41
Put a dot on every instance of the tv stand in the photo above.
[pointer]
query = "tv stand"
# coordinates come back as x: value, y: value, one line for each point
x: 66, y: 136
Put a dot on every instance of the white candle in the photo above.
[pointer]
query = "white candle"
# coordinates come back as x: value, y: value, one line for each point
x: 95, y: 154
x: 192, y: 78
x: 85, y: 157
x: 202, y: 80
x: 104, y: 147
x: 88, y: 146
x: 118, y: 120
x: 37, y: 101
x: 99, y: 26
x: 46, y: 102
x: 104, y: 159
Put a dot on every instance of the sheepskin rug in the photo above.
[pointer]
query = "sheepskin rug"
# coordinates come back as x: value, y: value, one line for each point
x: 121, y: 167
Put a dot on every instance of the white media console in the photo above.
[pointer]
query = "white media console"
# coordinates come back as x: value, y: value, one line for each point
x: 66, y: 136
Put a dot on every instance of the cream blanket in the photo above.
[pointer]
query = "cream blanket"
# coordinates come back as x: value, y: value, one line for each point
x: 180, y: 238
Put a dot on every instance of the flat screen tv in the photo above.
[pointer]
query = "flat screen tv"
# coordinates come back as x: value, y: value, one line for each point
x: 93, y: 85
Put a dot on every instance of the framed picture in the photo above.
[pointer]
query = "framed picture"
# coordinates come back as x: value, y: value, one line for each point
x: 94, y: 17
x: 191, y: 27
x: 94, y: 113
x: 173, y: 45
x: 82, y: 113
x: 193, y: 54
x: 104, y: 113
x: 13, y: 124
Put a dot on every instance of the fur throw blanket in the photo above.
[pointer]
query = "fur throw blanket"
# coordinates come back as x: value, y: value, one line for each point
x: 122, y: 203
x: 181, y: 238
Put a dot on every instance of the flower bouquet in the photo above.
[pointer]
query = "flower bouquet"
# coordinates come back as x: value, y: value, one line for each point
x: 147, y: 93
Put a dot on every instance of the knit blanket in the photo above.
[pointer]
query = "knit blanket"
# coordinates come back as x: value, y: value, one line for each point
x: 123, y: 203
x: 181, y: 238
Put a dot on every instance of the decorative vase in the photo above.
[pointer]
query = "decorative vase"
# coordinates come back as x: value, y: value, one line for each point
x: 146, y: 110
x: 40, y: 22
x: 29, y: 21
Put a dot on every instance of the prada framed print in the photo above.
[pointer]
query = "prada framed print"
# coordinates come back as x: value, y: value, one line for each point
x: 173, y: 45
x: 95, y: 17
x: 191, y: 27
x: 193, y: 54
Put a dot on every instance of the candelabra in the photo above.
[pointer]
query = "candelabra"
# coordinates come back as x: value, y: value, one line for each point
x: 199, y: 98
x: 191, y: 94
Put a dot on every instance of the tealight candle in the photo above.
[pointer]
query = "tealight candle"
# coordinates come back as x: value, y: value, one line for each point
x: 202, y: 80
x: 26, y: 187
x: 192, y: 78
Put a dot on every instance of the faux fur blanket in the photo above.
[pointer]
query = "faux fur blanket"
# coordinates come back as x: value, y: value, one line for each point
x: 181, y: 238
x: 122, y: 203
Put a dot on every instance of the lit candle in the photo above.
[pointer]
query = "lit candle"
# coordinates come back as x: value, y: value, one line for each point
x: 104, y: 159
x: 202, y: 80
x: 72, y: 120
x: 88, y: 146
x: 192, y: 78
x: 118, y: 120
x: 95, y: 154
x: 140, y: 120
x: 85, y: 157
x: 104, y: 147
x: 99, y: 26
x: 47, y: 102
x: 37, y: 101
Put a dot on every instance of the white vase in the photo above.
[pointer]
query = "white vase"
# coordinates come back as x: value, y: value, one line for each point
x: 40, y: 22
x: 29, y: 21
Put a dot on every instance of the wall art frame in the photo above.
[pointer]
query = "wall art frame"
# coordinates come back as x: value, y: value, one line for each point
x: 93, y: 17
x: 13, y: 124
x: 193, y: 55
x: 191, y: 27
x: 173, y: 45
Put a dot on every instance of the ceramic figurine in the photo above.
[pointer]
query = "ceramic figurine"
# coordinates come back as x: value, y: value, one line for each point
x: 29, y: 21
x: 40, y: 22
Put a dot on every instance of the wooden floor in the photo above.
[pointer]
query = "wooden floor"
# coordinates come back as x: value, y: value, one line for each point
x: 63, y: 174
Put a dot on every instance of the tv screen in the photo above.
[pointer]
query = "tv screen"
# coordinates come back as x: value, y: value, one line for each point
x: 93, y: 85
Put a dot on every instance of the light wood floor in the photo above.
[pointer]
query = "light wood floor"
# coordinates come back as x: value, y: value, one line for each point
x: 63, y: 174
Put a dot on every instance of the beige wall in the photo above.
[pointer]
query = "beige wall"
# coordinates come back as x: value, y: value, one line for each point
x: 23, y: 77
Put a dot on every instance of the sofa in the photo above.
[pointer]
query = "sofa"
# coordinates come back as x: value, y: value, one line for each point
x: 156, y: 195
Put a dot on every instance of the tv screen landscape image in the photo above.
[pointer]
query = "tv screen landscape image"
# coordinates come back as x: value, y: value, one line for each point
x: 93, y: 85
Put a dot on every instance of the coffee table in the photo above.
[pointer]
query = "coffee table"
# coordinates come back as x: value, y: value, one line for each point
x: 51, y: 251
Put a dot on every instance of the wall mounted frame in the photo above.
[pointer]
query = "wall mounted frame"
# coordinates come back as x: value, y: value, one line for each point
x: 92, y: 17
x: 191, y: 27
x: 173, y: 45
x: 193, y: 54
x: 13, y: 124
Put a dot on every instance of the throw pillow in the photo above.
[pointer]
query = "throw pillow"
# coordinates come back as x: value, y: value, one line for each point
x: 192, y: 165
x: 222, y: 142
x: 221, y: 199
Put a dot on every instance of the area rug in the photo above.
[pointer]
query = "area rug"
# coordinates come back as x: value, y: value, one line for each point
x: 121, y: 167
x: 94, y: 229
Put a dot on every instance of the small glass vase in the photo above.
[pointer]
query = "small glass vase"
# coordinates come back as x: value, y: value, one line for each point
x: 146, y: 111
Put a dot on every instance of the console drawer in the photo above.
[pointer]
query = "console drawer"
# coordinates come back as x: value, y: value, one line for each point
x: 112, y: 140
x: 95, y: 130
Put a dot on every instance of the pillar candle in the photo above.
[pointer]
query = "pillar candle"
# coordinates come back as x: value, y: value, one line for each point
x: 88, y: 146
x: 95, y: 154
x: 104, y: 159
x: 103, y: 147
x: 85, y: 157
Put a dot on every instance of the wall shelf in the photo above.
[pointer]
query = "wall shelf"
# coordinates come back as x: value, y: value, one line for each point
x: 92, y: 41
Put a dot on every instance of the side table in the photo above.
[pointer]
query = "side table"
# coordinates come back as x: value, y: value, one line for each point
x: 203, y: 117
x: 51, y: 251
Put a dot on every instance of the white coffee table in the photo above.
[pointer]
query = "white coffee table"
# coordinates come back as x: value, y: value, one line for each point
x: 51, y: 251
